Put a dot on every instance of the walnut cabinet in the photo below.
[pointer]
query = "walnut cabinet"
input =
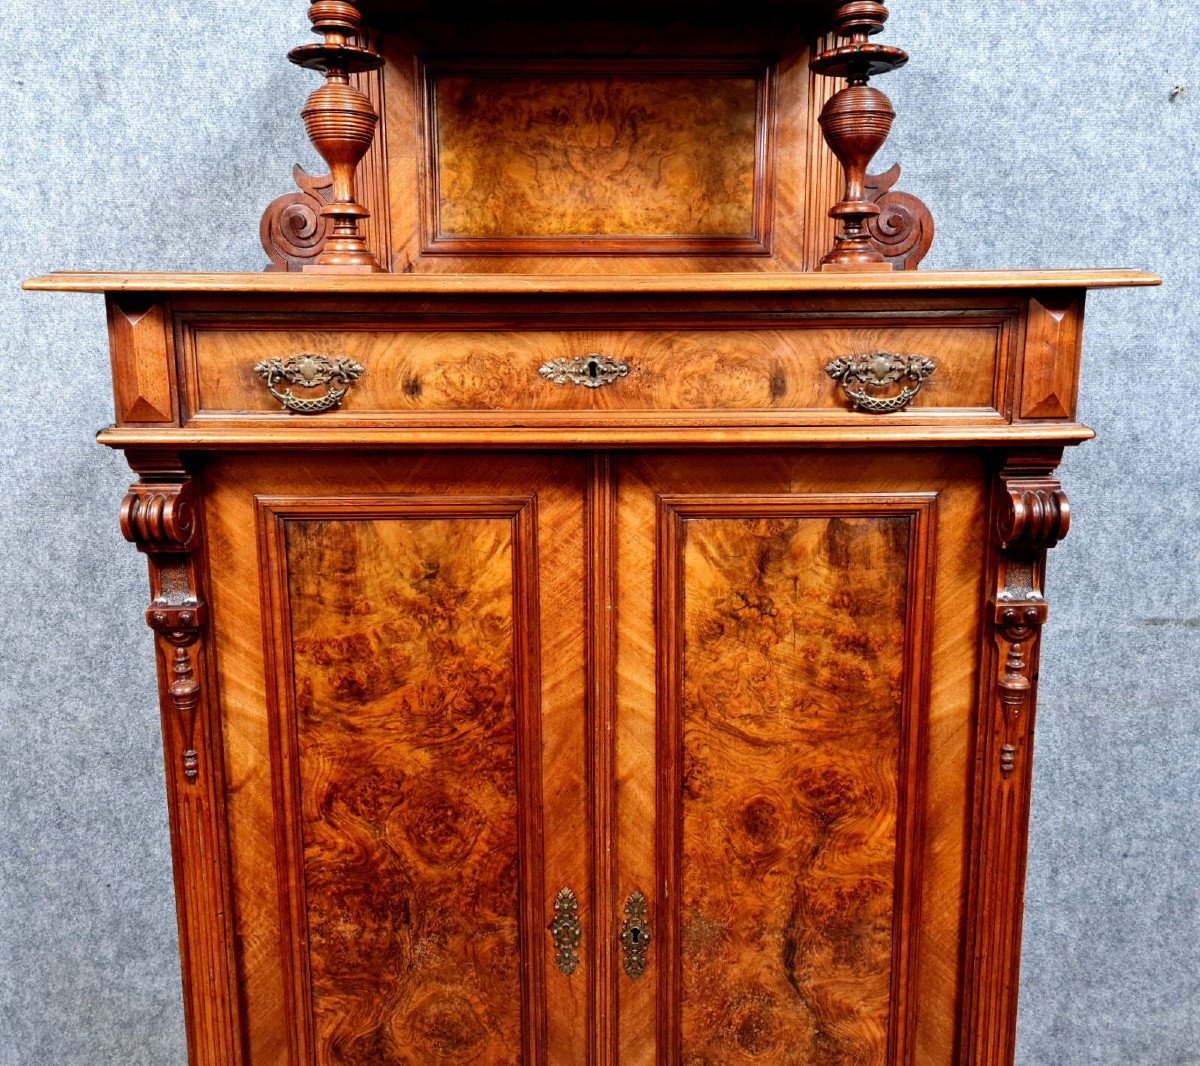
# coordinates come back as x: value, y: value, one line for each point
x: 596, y: 579
x: 513, y: 716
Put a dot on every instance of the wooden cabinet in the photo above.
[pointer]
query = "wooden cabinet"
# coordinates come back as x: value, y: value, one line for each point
x: 567, y: 727
x: 721, y: 699
x: 608, y: 639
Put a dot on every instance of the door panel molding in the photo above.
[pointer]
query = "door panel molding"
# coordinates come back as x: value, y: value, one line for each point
x: 450, y: 1021
x: 918, y: 511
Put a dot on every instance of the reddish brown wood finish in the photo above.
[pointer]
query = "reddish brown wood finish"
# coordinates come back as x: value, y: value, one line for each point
x: 418, y: 829
x: 920, y: 980
x: 163, y: 516
x: 856, y: 121
x: 701, y: 737
x: 340, y: 121
x: 143, y: 385
x: 1029, y: 514
x: 793, y: 726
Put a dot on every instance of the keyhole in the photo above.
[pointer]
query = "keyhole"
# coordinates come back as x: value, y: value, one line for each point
x: 635, y: 934
x: 593, y: 368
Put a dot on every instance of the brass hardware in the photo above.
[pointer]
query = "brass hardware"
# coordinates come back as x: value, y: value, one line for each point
x: 635, y: 935
x: 591, y: 371
x: 566, y: 931
x: 878, y: 370
x: 310, y: 371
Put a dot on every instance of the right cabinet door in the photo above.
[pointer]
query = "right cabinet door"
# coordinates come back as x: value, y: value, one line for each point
x: 794, y: 753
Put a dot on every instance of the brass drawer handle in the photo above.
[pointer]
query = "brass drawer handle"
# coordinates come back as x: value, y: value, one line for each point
x: 635, y: 935
x: 566, y: 931
x: 877, y: 370
x: 310, y: 372
x: 591, y: 371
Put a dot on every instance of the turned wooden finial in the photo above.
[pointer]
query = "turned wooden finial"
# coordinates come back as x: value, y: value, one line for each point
x: 856, y: 122
x: 341, y: 124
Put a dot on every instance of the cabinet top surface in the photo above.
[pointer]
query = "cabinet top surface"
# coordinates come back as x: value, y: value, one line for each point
x: 398, y: 284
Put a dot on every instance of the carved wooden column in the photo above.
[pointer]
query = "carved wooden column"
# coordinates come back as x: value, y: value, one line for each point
x: 1030, y: 514
x: 161, y: 516
x: 856, y: 121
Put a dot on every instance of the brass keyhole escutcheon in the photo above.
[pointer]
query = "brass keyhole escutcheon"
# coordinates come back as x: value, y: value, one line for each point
x: 635, y: 935
x: 566, y: 932
x: 591, y: 371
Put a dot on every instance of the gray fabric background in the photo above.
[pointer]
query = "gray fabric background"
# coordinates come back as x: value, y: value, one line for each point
x: 143, y: 136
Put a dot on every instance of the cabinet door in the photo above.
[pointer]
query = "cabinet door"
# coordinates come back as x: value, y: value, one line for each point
x: 401, y: 666
x: 794, y: 706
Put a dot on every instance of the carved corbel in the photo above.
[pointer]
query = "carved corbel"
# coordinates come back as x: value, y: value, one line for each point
x: 159, y: 515
x: 1030, y: 515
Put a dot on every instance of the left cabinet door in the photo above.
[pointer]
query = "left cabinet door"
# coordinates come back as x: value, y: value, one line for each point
x: 401, y: 666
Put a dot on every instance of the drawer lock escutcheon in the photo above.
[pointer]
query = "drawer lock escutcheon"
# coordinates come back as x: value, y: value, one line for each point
x: 310, y: 372
x: 591, y: 371
x: 878, y: 370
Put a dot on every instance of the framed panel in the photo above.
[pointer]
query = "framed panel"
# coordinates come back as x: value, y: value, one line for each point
x: 406, y: 752
x: 584, y: 156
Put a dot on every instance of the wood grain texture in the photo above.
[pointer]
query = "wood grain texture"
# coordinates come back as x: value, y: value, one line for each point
x: 1029, y: 514
x: 788, y: 738
x: 163, y: 516
x: 1053, y: 337
x: 406, y: 705
x: 391, y: 496
x: 716, y: 281
x: 588, y: 156
x: 745, y: 363
x: 792, y: 713
x: 917, y: 993
x: 142, y: 361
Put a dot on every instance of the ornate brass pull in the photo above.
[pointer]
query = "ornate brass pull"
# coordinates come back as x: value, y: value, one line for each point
x: 310, y: 371
x: 591, y: 371
x: 878, y: 370
x: 635, y: 935
x: 566, y: 931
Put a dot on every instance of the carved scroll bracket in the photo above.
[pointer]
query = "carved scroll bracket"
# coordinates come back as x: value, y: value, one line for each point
x: 159, y: 515
x: 1030, y: 514
x: 903, y: 230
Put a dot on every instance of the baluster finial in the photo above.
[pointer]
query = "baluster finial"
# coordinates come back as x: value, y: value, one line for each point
x: 341, y: 123
x: 856, y: 121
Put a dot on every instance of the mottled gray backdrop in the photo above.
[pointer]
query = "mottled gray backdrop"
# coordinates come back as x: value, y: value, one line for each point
x: 142, y: 136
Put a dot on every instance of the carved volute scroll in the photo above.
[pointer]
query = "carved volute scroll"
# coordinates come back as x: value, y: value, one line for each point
x: 341, y: 121
x: 161, y: 516
x: 856, y: 121
x: 903, y: 230
x: 293, y: 231
x: 1030, y: 515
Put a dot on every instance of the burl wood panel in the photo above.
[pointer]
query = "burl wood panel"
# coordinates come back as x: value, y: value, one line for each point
x: 792, y: 701
x: 405, y: 708
x: 767, y: 366
x: 579, y: 156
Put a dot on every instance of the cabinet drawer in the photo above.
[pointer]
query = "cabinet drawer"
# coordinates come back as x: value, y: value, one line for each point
x: 772, y: 364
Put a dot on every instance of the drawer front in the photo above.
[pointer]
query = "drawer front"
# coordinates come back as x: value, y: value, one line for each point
x: 438, y: 373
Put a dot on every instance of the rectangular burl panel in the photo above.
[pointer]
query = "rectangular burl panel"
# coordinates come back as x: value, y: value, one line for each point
x: 579, y: 156
x: 792, y: 737
x: 405, y: 704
